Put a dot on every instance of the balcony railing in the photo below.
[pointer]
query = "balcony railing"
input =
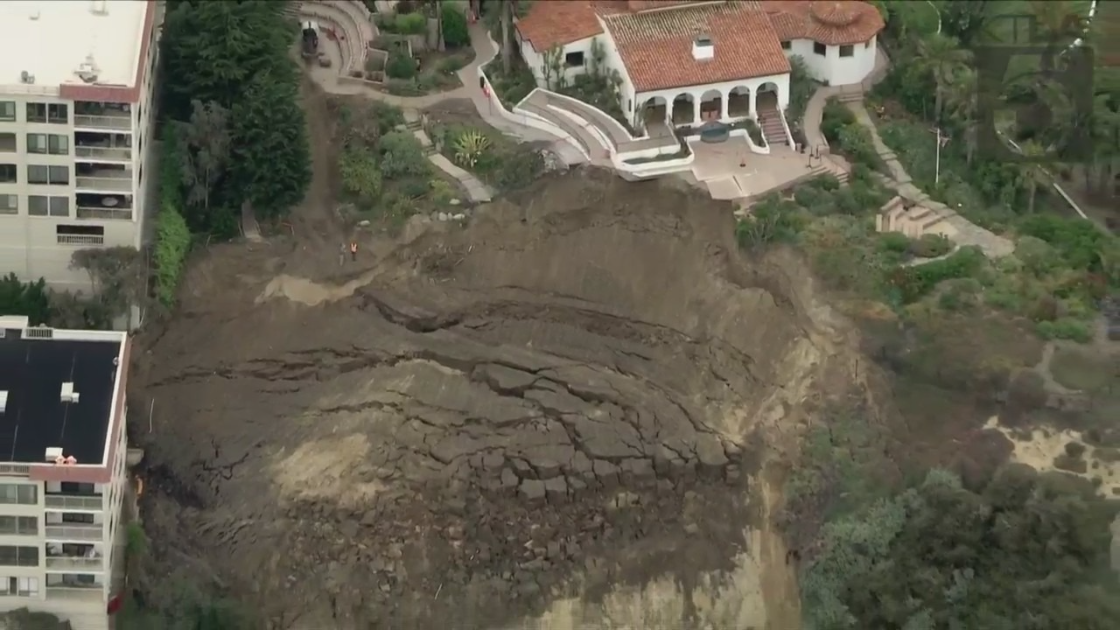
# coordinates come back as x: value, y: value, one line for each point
x: 75, y: 563
x: 92, y: 593
x: 103, y: 153
x: 74, y: 501
x: 75, y: 532
x: 123, y: 122
x: 124, y: 214
x: 105, y: 183
x: 80, y: 239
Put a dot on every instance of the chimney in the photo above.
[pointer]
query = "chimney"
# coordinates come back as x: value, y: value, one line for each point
x: 703, y: 48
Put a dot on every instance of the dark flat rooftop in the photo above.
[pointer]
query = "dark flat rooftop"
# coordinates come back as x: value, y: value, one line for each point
x: 32, y: 371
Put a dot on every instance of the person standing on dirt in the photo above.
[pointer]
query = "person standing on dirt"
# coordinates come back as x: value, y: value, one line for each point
x: 354, y: 251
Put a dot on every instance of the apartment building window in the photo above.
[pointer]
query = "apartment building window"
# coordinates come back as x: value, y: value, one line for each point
x: 9, y: 204
x: 24, y: 587
x: 52, y: 143
x: 8, y: 111
x: 19, y: 525
x: 8, y: 174
x: 36, y: 112
x: 51, y: 175
x: 19, y: 493
x: 12, y: 556
x: 80, y: 234
x: 8, y: 143
x: 847, y: 51
x: 819, y: 49
x: 75, y: 487
x: 786, y: 45
x: 44, y: 206
x: 58, y: 114
x: 77, y: 517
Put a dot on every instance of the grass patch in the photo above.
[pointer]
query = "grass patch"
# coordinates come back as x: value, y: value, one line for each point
x: 1079, y: 369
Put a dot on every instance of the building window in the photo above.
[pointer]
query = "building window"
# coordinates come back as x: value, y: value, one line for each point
x: 9, y: 204
x: 77, y: 517
x: 847, y: 51
x: 8, y: 111
x: 43, y: 206
x: 11, y: 556
x: 52, y: 143
x: 574, y: 59
x: 80, y: 235
x: 786, y: 45
x: 819, y: 49
x: 19, y: 493
x: 76, y: 487
x: 19, y: 525
x: 24, y: 586
x: 36, y: 112
x: 50, y: 175
x: 8, y: 143
x: 8, y: 174
x: 58, y: 114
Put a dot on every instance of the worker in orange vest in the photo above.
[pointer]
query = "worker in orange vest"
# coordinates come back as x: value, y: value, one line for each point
x: 354, y: 250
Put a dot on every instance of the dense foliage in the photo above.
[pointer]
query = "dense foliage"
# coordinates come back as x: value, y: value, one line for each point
x: 231, y: 90
x: 1023, y: 552
x: 28, y: 299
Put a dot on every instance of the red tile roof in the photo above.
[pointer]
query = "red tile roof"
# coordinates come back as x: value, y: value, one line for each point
x: 656, y: 48
x: 655, y: 37
x: 829, y: 22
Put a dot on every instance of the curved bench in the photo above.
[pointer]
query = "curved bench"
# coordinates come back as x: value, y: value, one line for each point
x: 353, y: 47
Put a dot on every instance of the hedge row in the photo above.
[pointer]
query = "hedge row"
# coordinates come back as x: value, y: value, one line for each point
x: 173, y: 237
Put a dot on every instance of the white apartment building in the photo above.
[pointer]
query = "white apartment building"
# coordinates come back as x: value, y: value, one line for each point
x: 63, y: 476
x: 76, y: 123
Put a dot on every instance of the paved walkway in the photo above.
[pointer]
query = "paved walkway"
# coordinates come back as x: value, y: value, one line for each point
x: 485, y: 50
x: 993, y: 246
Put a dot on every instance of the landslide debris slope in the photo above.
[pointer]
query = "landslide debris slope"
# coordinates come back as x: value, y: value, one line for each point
x: 563, y: 399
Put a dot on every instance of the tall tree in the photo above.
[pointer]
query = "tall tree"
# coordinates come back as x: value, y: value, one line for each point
x: 206, y: 136
x: 210, y: 50
x: 271, y: 156
x: 962, y: 100
x: 507, y: 9
x: 943, y: 57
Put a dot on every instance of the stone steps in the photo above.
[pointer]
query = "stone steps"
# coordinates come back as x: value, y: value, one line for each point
x: 772, y: 128
x: 826, y: 169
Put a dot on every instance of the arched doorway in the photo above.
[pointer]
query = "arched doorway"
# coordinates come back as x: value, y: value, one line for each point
x: 711, y: 105
x: 766, y: 99
x: 739, y: 102
x: 684, y: 110
x: 654, y: 111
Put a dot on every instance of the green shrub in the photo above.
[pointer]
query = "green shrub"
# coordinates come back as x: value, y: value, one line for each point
x: 451, y: 65
x: 835, y: 117
x: 826, y: 182
x: 868, y: 197
x: 455, y: 31
x: 914, y: 282
x: 812, y: 198
x: 173, y: 242
x: 403, y: 87
x: 770, y: 220
x: 410, y: 24
x: 846, y: 202
x: 400, y: 66
x: 401, y: 156
x: 28, y: 299
x: 1065, y: 328
x: 1079, y: 242
x: 360, y: 176
x: 930, y: 246
x: 855, y: 140
x: 895, y: 242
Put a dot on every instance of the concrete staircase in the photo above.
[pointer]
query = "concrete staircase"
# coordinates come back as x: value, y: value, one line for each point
x: 828, y: 167
x: 772, y: 128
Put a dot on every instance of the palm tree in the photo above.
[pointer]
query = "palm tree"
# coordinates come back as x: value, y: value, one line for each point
x: 943, y: 57
x: 1033, y: 176
x: 507, y: 7
x: 962, y: 99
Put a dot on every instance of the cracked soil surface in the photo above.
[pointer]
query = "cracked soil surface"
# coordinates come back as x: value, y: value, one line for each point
x: 562, y: 412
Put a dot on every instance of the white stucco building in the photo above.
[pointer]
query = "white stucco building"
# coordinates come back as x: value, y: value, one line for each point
x: 76, y: 122
x: 689, y: 62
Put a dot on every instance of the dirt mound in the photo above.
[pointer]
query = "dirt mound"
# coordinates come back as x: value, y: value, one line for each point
x: 553, y: 402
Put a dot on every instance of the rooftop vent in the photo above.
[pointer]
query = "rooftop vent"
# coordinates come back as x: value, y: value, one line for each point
x: 703, y: 48
x: 3, y: 401
x: 26, y: 77
x: 99, y: 7
x: 34, y: 15
x: 68, y: 393
x: 88, y: 70
x: 53, y: 453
